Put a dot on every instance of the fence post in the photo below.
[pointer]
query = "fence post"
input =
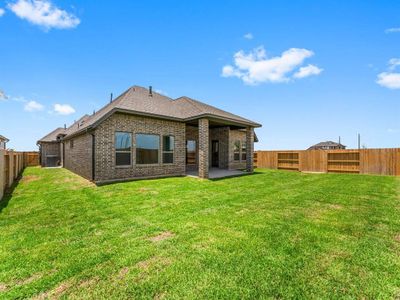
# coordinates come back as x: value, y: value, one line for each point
x: 15, y: 171
x: 10, y: 168
x: 19, y: 163
x: 2, y: 174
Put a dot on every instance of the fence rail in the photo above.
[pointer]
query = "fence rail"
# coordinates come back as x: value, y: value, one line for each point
x: 361, y: 161
x: 11, y: 165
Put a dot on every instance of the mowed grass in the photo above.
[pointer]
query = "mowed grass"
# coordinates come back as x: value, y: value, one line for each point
x: 274, y: 234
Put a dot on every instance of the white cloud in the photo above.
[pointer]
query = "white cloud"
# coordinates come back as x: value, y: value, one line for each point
x: 63, y: 109
x: 393, y: 63
x: 33, y: 106
x: 43, y: 13
x: 389, y: 80
x: 3, y: 95
x: 254, y: 67
x: 307, y: 71
x: 248, y: 36
x: 392, y: 30
x: 2, y: 12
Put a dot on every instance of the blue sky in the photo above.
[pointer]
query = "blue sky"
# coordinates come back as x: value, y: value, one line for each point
x: 309, y: 71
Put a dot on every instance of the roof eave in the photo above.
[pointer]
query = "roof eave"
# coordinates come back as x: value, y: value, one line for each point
x: 233, y: 121
x: 156, y: 116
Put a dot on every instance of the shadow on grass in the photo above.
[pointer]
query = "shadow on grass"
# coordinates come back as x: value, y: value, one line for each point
x: 8, y: 194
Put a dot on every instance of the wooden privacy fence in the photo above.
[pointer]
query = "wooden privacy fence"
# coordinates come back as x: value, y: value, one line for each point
x: 362, y: 161
x: 11, y: 165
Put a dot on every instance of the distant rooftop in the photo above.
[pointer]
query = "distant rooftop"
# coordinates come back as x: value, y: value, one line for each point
x: 328, y: 145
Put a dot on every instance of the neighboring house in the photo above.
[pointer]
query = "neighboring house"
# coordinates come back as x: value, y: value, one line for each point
x: 328, y: 145
x: 143, y: 134
x: 3, y: 142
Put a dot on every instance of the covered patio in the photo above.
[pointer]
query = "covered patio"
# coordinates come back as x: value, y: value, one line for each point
x: 217, y: 147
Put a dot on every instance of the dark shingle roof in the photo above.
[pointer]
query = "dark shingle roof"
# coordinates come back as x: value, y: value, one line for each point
x: 52, y: 136
x: 327, y: 144
x: 136, y: 100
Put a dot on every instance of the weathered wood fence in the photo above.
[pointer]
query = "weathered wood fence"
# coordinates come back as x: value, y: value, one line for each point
x: 11, y: 165
x: 362, y: 161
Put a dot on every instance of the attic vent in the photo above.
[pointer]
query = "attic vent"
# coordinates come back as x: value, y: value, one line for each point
x: 150, y: 91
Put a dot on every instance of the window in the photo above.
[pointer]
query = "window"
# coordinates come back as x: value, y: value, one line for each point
x: 147, y: 148
x: 168, y: 149
x: 236, y: 150
x: 244, y: 153
x: 123, y: 146
x: 191, y: 152
x: 71, y: 144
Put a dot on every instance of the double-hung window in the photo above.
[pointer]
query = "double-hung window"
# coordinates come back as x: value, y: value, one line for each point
x: 147, y: 149
x: 123, y: 146
x: 168, y: 149
x: 236, y: 150
x: 244, y: 153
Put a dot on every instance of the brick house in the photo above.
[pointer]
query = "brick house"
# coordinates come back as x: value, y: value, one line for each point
x: 3, y: 142
x: 142, y: 134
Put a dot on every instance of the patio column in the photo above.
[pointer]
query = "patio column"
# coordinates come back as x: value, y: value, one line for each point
x: 249, y: 149
x: 203, y: 148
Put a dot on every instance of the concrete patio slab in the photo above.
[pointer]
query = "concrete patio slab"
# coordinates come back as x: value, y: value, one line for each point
x: 215, y: 173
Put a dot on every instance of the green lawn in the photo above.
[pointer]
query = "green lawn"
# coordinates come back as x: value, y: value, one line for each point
x: 274, y: 234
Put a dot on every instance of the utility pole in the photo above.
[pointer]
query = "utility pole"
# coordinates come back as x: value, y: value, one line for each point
x: 359, y: 141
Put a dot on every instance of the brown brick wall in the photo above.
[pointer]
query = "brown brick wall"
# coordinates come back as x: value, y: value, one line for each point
x: 250, y: 149
x: 105, y: 149
x: 78, y: 159
x: 204, y: 142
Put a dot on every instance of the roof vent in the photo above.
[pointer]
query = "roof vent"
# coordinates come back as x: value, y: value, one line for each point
x: 111, y: 98
x: 150, y: 91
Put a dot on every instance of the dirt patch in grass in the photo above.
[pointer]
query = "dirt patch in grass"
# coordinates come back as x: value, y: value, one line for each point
x: 4, y: 287
x: 160, y: 296
x: 162, y: 236
x: 29, y: 178
x: 88, y: 282
x: 122, y: 273
x: 397, y: 238
x: 55, y: 293
x: 145, y: 190
x: 78, y: 181
x: 154, y: 264
x: 335, y: 206
x: 148, y: 263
